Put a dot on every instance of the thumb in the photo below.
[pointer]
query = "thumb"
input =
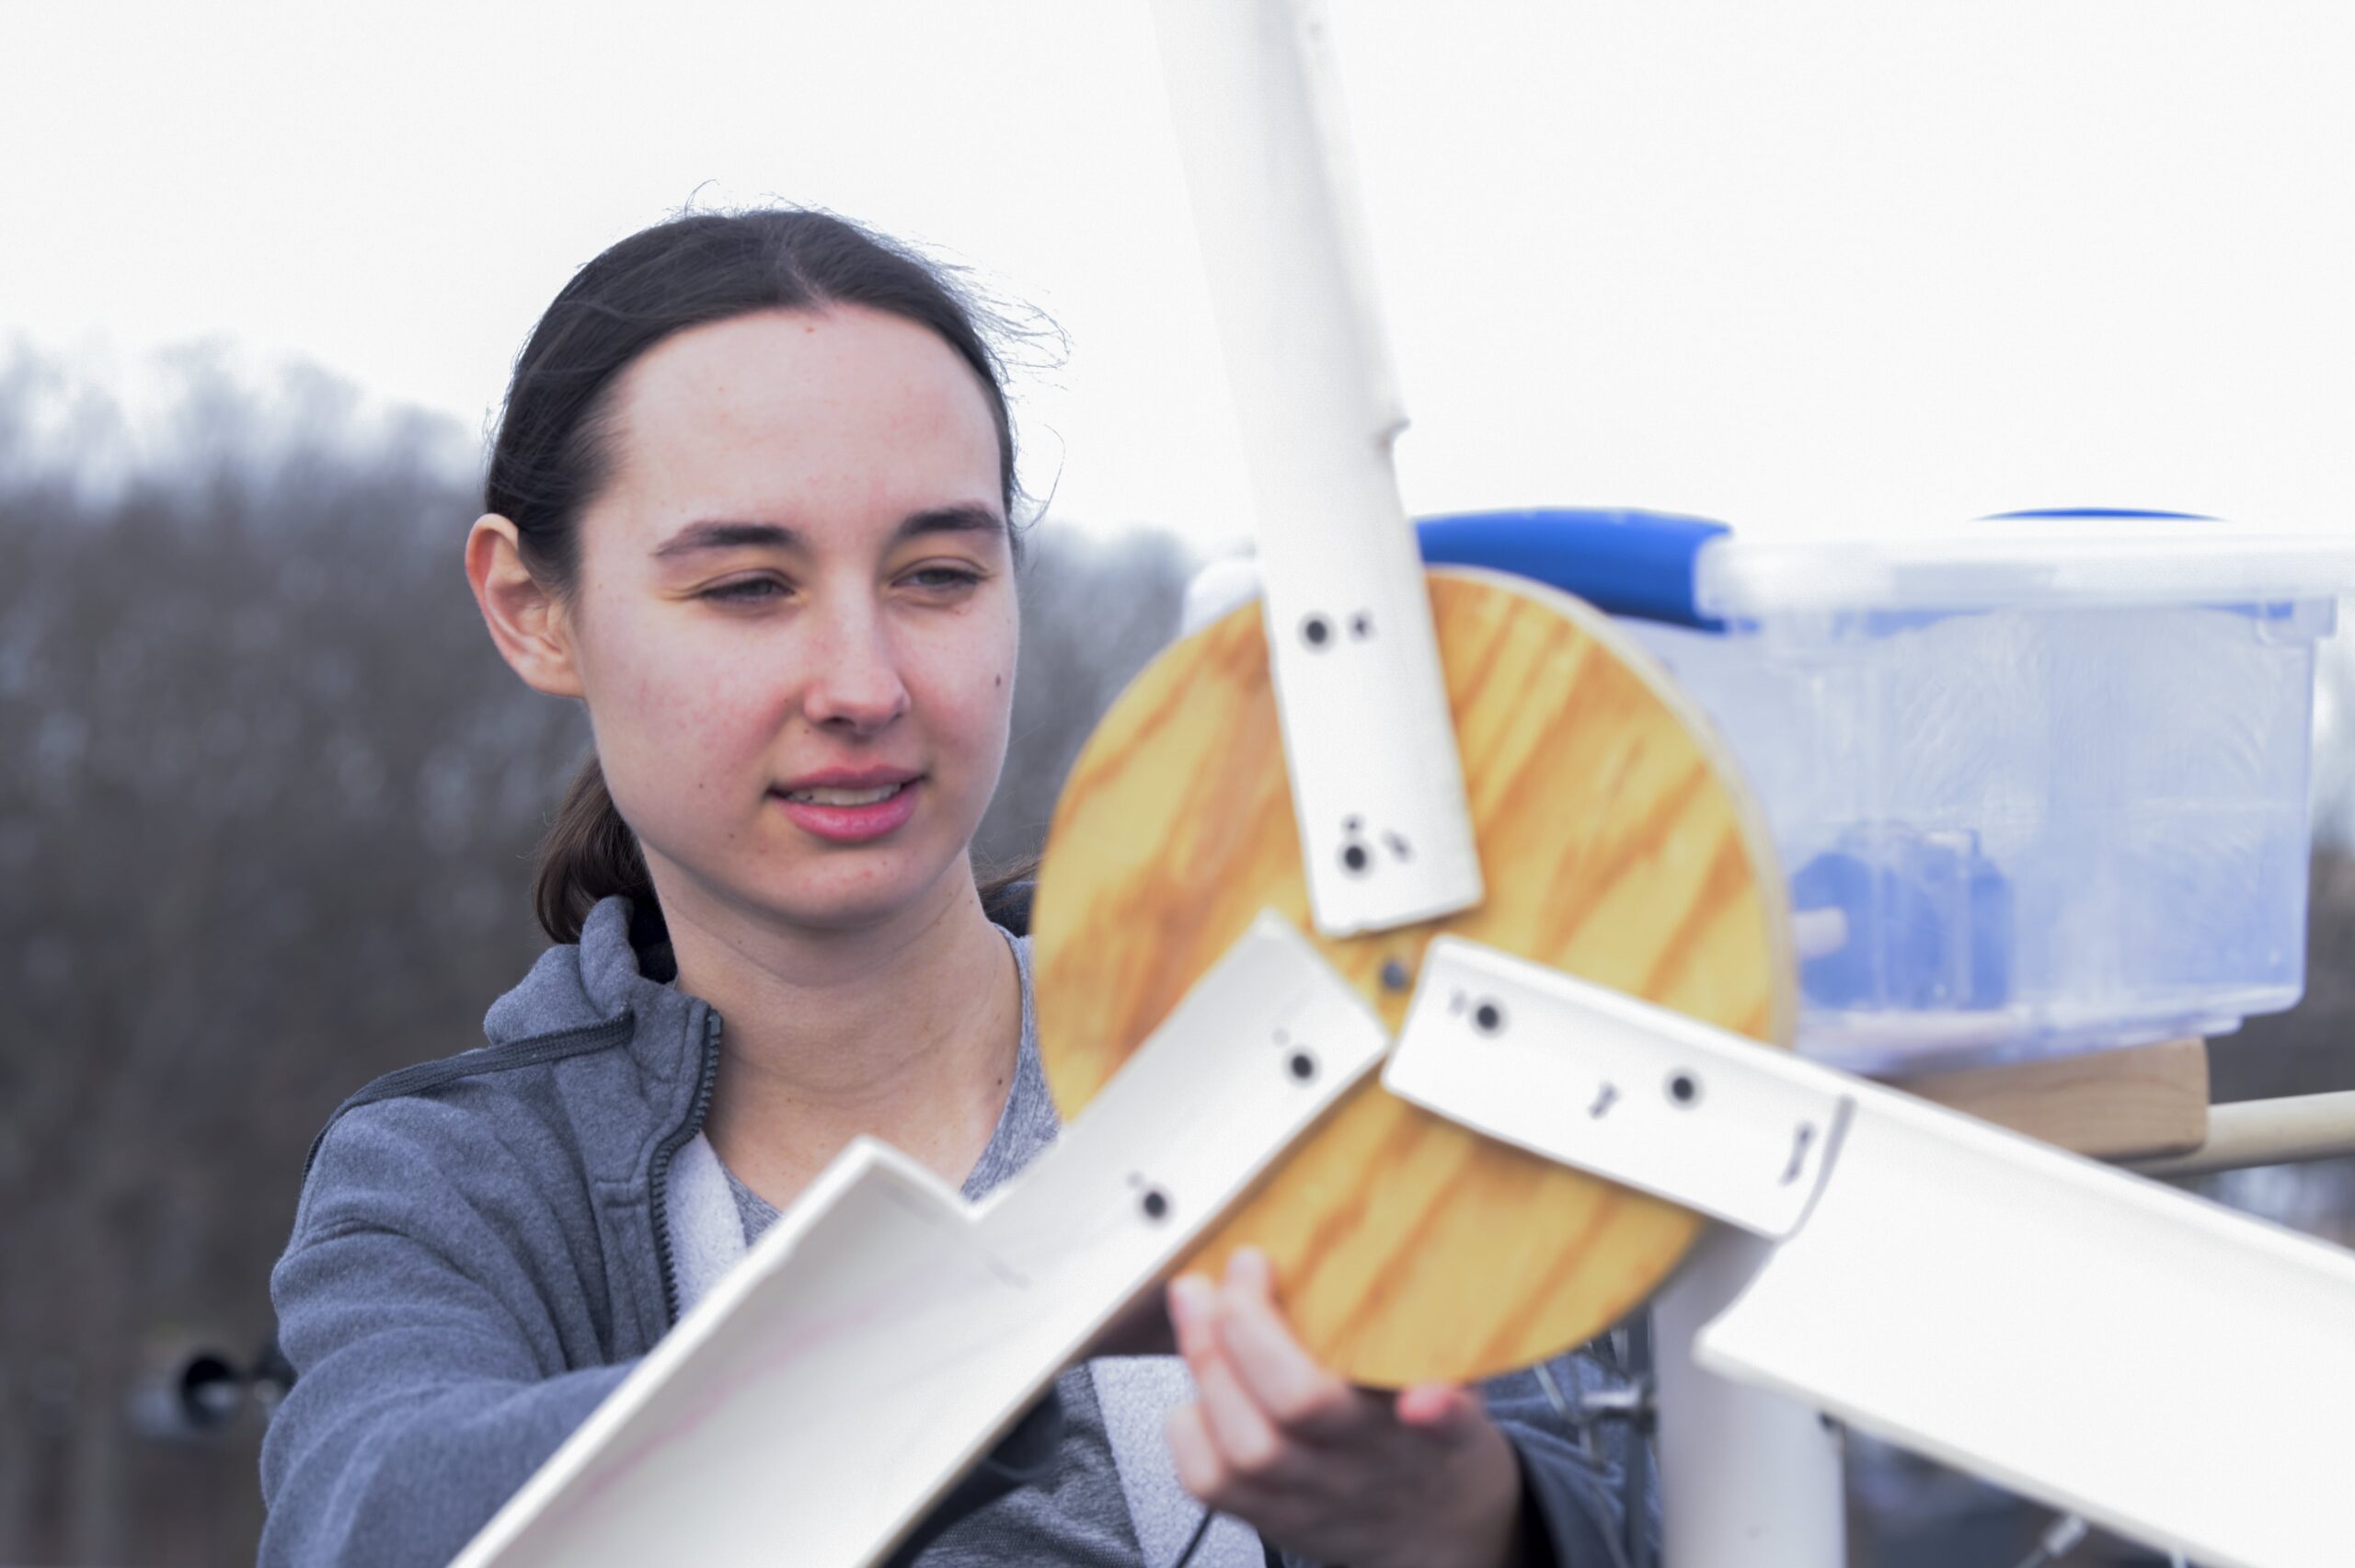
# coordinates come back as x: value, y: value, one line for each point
x: 1441, y: 1411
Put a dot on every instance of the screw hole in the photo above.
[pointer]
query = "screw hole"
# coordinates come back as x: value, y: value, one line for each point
x: 1316, y: 631
x: 1488, y: 1018
x: 1683, y: 1088
x: 1156, y: 1204
x: 1354, y: 857
x: 1302, y: 1064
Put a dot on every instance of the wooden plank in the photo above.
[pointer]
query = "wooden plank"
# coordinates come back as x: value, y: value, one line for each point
x: 2135, y: 1103
x: 1615, y: 843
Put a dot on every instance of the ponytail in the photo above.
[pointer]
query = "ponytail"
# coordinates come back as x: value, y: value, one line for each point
x: 590, y: 853
x: 1006, y: 892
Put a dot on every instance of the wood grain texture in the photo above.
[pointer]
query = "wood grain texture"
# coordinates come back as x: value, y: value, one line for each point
x: 2137, y: 1103
x: 1617, y: 844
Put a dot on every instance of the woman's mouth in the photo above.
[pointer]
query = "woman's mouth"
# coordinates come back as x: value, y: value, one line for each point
x: 845, y: 815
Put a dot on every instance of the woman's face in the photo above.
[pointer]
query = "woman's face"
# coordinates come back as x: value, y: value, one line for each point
x: 794, y: 621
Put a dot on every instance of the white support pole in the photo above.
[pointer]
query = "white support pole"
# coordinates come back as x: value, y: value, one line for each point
x: 1746, y: 1476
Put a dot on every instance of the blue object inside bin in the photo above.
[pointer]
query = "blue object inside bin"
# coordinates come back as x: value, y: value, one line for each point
x: 1628, y: 563
x: 1941, y: 914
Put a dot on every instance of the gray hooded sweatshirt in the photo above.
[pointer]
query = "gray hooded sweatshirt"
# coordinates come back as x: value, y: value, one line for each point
x: 486, y: 1245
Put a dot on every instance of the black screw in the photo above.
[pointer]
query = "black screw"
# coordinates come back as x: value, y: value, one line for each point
x: 1488, y: 1018
x: 1394, y: 975
x: 1353, y: 857
x: 1304, y: 1066
x: 1155, y: 1203
x: 1316, y: 631
x: 1683, y: 1088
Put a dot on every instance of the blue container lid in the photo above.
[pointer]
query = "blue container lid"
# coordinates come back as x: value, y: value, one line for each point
x: 1628, y: 563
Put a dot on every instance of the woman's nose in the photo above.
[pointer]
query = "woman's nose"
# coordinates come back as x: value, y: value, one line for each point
x: 854, y: 684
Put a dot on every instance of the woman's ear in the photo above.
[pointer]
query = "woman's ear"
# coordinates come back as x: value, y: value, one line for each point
x: 526, y: 619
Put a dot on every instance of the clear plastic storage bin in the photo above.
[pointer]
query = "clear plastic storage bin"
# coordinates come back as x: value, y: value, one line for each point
x: 2039, y: 786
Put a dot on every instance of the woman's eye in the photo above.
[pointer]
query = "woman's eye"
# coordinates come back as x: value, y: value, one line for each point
x: 943, y: 579
x: 744, y: 591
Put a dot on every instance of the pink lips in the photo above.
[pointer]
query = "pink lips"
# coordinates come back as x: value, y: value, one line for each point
x: 853, y: 824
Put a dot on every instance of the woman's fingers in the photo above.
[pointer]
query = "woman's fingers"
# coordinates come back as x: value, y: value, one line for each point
x: 1200, y: 1470
x: 1246, y: 1438
x: 1247, y: 1269
x: 1246, y: 1441
x: 1299, y: 1396
x: 1333, y: 1470
x: 1192, y: 1302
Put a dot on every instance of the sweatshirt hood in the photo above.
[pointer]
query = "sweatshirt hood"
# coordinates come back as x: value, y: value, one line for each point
x: 595, y: 981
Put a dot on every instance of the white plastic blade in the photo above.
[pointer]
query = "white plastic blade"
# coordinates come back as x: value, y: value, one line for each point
x: 2176, y: 1372
x: 2168, y: 1368
x: 885, y: 1332
x: 1597, y: 1079
x: 1377, y: 785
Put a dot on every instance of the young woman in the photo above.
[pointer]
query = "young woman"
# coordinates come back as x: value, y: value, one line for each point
x: 750, y: 503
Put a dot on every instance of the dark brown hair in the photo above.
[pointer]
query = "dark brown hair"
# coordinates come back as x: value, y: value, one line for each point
x: 552, y: 450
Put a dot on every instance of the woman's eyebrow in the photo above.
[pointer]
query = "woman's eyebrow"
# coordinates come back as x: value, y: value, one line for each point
x: 965, y: 518
x: 721, y: 535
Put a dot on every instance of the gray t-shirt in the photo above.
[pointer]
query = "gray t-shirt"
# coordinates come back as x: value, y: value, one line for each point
x: 1078, y: 1516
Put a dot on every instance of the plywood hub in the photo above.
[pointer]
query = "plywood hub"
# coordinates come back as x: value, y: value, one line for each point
x: 1617, y: 844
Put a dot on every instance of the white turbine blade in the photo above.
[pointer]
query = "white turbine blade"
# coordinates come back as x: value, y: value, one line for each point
x: 885, y: 1331
x: 1594, y: 1079
x: 1377, y: 785
x: 2180, y: 1373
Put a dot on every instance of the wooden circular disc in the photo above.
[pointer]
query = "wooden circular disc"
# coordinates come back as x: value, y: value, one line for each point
x: 1617, y: 844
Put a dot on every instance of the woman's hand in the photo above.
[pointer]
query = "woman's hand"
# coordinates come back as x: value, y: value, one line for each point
x: 1421, y: 1479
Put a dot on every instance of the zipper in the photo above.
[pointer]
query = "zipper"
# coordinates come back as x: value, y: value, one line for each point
x: 659, y: 1176
x: 425, y: 1077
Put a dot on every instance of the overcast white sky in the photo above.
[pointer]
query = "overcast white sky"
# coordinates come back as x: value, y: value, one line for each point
x: 1803, y: 267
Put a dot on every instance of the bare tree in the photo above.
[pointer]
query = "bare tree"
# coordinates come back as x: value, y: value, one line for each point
x: 1094, y: 612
